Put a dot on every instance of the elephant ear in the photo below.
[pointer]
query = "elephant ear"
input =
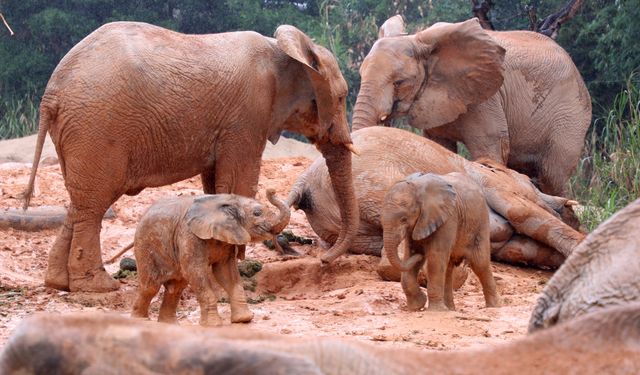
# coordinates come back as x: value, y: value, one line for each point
x: 322, y: 69
x: 217, y: 217
x: 394, y: 26
x: 464, y: 66
x: 437, y: 199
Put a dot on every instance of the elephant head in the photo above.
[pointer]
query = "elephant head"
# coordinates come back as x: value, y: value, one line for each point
x: 234, y: 219
x: 327, y: 127
x: 413, y: 209
x: 432, y: 76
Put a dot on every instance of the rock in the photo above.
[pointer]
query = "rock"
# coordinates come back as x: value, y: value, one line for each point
x: 128, y: 264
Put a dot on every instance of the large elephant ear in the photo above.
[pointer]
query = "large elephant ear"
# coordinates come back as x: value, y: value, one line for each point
x: 217, y: 217
x: 394, y: 26
x: 464, y: 66
x: 323, y: 71
x: 437, y: 199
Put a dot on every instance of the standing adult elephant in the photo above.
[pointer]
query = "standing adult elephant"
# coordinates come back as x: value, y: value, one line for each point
x: 514, y: 97
x: 134, y: 105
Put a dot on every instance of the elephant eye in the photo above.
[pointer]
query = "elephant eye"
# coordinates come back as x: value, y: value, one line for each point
x: 257, y: 212
x: 398, y: 82
x: 403, y: 220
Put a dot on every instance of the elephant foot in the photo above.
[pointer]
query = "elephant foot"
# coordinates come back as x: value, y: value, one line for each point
x: 97, y: 280
x: 57, y: 279
x: 172, y: 319
x: 493, y: 302
x: 437, y: 306
x: 243, y: 316
x: 415, y: 303
x: 211, y: 321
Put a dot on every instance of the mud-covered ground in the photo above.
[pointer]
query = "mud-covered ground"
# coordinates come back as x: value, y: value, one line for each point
x: 294, y: 296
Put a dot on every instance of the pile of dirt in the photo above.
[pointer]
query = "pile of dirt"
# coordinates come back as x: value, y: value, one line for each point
x: 296, y: 296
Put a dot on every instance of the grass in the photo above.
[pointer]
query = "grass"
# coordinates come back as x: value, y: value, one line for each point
x: 18, y: 117
x: 608, y: 176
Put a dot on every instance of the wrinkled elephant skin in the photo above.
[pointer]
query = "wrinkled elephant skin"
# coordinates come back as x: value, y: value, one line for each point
x: 511, y: 96
x: 134, y: 105
x: 605, y: 342
x: 603, y: 271
x: 179, y: 241
x: 387, y: 155
x: 442, y: 220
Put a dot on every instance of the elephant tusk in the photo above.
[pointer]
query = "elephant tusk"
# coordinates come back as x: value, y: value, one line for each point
x: 352, y: 148
x: 383, y: 118
x: 571, y: 203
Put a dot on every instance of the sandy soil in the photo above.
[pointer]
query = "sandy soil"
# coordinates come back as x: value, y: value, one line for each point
x: 301, y: 298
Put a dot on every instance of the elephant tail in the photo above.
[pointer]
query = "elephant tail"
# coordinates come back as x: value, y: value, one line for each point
x: 47, y: 116
x: 115, y: 257
x: 545, y: 314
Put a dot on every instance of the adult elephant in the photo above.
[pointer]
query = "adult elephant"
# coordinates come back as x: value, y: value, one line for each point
x: 387, y: 155
x: 134, y: 105
x: 602, y: 272
x: 514, y: 97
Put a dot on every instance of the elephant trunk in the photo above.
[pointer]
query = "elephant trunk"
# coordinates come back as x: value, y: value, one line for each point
x: 284, y: 214
x: 338, y: 161
x: 392, y: 240
x: 365, y: 113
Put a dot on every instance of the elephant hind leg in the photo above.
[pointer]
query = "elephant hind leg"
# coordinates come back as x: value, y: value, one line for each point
x: 147, y: 289
x: 57, y: 275
x: 172, y: 292
x: 480, y: 263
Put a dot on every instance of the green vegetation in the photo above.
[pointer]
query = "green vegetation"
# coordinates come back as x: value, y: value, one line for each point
x: 602, y: 40
x: 608, y: 176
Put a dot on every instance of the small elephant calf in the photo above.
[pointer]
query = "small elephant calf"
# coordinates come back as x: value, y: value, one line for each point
x: 179, y: 241
x: 443, y: 220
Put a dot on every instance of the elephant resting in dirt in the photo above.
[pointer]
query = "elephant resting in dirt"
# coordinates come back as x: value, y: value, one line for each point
x: 604, y: 342
x: 602, y: 271
x: 387, y: 155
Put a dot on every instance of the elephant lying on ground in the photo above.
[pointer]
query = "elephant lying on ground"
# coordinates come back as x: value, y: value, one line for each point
x: 603, y: 271
x: 605, y: 342
x: 387, y: 155
x: 190, y: 241
x: 134, y: 105
x: 442, y: 220
x: 511, y: 96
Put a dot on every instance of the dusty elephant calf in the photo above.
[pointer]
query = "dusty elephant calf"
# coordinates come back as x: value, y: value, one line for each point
x: 180, y: 240
x: 443, y: 220
x: 605, y: 342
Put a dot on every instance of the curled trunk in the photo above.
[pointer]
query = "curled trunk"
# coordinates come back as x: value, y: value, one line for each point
x: 391, y: 243
x: 338, y: 160
x: 284, y: 214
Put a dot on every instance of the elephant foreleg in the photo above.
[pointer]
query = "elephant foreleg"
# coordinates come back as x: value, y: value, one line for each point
x: 416, y: 298
x: 227, y: 274
x: 485, y: 132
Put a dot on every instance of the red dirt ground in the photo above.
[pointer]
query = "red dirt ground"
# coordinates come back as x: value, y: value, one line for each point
x: 344, y: 299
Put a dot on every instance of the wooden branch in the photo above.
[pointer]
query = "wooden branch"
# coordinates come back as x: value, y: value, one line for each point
x: 532, y: 13
x: 6, y: 24
x: 550, y: 25
x: 481, y: 10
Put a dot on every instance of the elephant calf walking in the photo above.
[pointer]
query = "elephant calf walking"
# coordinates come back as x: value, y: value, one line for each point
x: 443, y: 220
x: 180, y: 240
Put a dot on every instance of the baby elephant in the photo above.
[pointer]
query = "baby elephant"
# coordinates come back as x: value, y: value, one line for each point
x: 180, y: 240
x: 442, y: 220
